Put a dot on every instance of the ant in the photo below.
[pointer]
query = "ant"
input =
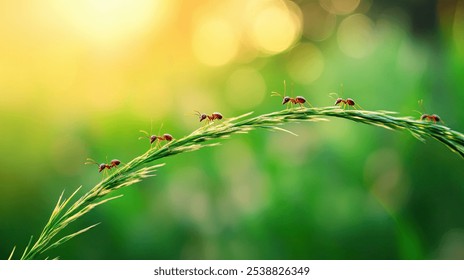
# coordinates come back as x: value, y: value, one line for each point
x: 214, y: 116
x: 348, y: 101
x: 102, y: 166
x: 433, y: 117
x: 153, y: 138
x: 300, y: 100
x: 345, y: 102
x: 165, y: 137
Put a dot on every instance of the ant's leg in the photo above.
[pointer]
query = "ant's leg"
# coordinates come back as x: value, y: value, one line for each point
x: 356, y: 106
x: 207, y: 122
x: 105, y: 173
x: 157, y: 145
x: 116, y: 169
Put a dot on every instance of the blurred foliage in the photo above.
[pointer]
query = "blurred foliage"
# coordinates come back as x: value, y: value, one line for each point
x: 81, y: 79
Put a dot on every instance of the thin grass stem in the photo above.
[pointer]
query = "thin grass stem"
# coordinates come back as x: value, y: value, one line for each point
x: 136, y: 170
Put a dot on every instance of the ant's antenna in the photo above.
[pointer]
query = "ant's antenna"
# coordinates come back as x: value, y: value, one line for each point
x: 90, y: 161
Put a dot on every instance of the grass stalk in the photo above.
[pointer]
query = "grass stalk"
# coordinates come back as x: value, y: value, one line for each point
x: 138, y: 168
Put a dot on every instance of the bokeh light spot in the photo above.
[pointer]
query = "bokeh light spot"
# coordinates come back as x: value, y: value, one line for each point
x: 356, y: 36
x: 306, y: 63
x: 340, y: 7
x: 275, y: 28
x: 318, y: 23
x: 245, y: 88
x: 215, y: 41
x: 412, y: 60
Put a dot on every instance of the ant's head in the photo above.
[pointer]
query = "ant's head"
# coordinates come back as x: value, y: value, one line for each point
x: 201, y: 116
x: 153, y: 139
x: 101, y: 167
x: 424, y: 116
x: 338, y: 101
x: 285, y: 100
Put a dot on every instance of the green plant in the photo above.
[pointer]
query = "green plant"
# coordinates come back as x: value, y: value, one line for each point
x: 134, y: 171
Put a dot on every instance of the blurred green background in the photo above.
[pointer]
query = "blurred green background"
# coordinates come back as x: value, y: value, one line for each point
x: 79, y: 79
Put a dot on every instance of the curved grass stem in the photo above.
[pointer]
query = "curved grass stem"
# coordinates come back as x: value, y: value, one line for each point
x: 135, y: 170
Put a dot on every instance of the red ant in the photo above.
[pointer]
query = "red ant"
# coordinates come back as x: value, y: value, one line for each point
x: 300, y: 100
x: 102, y: 166
x: 433, y: 117
x: 153, y: 138
x: 345, y: 102
x: 214, y: 116
x: 348, y: 101
x: 165, y: 137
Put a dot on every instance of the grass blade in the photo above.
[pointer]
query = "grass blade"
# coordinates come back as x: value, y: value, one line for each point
x: 134, y: 171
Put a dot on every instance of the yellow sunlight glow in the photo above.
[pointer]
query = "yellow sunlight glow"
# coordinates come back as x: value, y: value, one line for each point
x: 215, y: 41
x: 109, y: 21
x: 275, y: 27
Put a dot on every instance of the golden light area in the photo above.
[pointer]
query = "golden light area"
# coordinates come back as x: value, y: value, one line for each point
x: 156, y: 92
x: 245, y: 88
x: 63, y: 58
x: 275, y: 27
x: 306, y: 63
x: 215, y: 41
x: 108, y: 22
x: 356, y: 36
x: 340, y: 7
